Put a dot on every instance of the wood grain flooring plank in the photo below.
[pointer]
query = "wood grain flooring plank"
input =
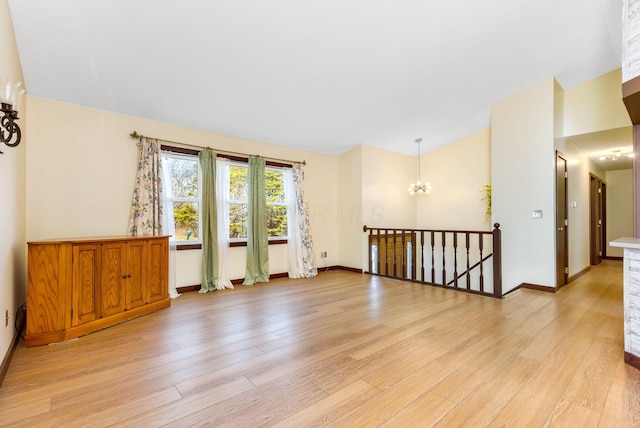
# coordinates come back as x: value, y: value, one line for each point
x: 346, y: 350
x: 331, y: 408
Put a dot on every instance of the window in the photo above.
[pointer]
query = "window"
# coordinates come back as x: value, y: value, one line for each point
x: 239, y: 197
x: 276, y: 204
x: 182, y: 192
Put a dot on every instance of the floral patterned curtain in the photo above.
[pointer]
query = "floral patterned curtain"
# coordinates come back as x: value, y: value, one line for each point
x: 301, y: 255
x: 146, y: 206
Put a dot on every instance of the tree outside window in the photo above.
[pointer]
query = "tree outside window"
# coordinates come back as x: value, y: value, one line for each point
x: 185, y: 197
x: 238, y: 202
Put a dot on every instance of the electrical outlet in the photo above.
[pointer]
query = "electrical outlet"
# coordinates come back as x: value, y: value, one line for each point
x: 323, y: 254
x: 6, y: 318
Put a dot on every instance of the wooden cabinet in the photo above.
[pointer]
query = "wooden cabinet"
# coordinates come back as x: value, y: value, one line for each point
x: 77, y: 286
x: 85, y: 277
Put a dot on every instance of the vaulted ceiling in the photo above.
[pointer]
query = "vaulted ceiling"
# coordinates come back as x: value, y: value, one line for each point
x: 319, y: 75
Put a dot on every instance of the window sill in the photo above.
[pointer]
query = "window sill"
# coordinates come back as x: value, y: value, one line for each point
x: 271, y: 242
x: 181, y: 247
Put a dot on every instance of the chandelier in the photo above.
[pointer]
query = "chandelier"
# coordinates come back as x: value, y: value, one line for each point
x: 615, y: 155
x: 419, y: 187
x: 9, y: 130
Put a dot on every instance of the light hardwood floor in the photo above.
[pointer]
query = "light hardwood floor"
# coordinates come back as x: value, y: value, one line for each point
x: 345, y: 350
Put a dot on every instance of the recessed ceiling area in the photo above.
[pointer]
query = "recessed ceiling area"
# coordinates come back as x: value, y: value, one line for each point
x: 318, y: 75
x: 602, y: 147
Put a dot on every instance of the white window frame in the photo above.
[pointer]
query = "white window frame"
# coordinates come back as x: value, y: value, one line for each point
x: 284, y: 204
x: 235, y: 201
x: 230, y: 201
x: 169, y: 199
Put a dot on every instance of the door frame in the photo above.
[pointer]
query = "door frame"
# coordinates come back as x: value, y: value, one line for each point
x: 597, y: 212
x: 562, y: 220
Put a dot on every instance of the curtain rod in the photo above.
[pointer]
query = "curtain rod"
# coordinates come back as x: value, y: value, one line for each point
x: 135, y: 134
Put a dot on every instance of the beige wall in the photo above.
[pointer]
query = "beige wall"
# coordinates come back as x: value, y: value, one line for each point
x: 385, y: 179
x: 522, y: 175
x: 579, y: 168
x: 12, y: 202
x: 373, y: 185
x: 82, y: 166
x: 385, y: 199
x: 595, y: 106
x: 619, y: 208
x: 457, y: 172
x: 590, y: 109
x: 349, y: 218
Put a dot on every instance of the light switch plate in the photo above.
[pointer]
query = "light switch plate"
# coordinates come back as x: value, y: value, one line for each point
x: 536, y: 214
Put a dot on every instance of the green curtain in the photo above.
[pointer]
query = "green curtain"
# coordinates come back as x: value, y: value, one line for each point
x: 209, y: 231
x: 257, y: 238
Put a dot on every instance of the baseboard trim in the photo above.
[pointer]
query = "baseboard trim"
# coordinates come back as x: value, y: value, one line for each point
x: 538, y: 287
x: 4, y: 367
x: 613, y: 258
x: 579, y: 274
x: 188, y: 288
x: 632, y: 360
x: 346, y: 268
x: 196, y: 287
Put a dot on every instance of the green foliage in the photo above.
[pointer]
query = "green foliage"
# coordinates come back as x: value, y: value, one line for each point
x: 276, y: 214
x: 238, y: 220
x: 238, y: 183
x: 185, y: 215
x: 238, y: 209
x: 184, y: 184
x: 486, y: 196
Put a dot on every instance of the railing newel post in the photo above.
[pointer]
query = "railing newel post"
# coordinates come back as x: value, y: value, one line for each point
x: 497, y: 260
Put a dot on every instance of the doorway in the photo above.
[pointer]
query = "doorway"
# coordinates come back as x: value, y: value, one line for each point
x: 597, y: 220
x: 562, y: 222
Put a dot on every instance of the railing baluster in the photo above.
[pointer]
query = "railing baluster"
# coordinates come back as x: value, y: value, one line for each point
x: 386, y: 252
x: 404, y: 253
x: 468, y: 269
x: 481, y: 245
x: 405, y: 265
x: 380, y: 255
x: 422, y: 255
x: 455, y: 259
x: 395, y: 259
x: 444, y: 261
x: 433, y: 261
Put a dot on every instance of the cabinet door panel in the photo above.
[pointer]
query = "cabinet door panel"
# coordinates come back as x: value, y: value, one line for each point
x: 157, y: 278
x: 45, y: 293
x: 113, y: 278
x: 137, y: 292
x: 85, y: 284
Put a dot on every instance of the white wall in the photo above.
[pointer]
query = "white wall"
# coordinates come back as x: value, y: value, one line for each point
x: 523, y: 171
x: 81, y: 172
x: 12, y: 201
x: 457, y: 172
x: 619, y: 208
